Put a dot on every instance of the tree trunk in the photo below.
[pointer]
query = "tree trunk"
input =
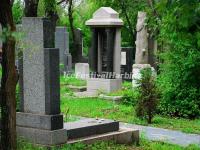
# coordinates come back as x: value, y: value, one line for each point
x: 31, y: 8
x: 74, y: 41
x: 123, y: 7
x: 9, y: 80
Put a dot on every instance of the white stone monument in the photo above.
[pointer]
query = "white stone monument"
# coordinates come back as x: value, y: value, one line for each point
x: 82, y: 70
x: 105, y: 52
x: 144, y: 52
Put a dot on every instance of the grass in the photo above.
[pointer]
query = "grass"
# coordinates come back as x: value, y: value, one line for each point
x: 144, y: 145
x: 98, y: 108
x: 125, y: 86
x: 65, y: 80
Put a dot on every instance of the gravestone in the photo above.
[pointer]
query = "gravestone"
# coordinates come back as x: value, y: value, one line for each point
x: 39, y: 119
x: 105, y: 52
x: 82, y: 70
x: 127, y: 62
x: 145, y: 49
x: 80, y: 58
x: 146, y: 46
x: 62, y: 42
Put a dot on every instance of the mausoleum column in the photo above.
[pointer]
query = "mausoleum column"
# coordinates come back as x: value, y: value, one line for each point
x: 93, y: 59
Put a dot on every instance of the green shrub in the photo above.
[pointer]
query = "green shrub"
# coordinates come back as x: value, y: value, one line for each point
x: 130, y: 97
x: 180, y: 56
x: 148, y: 97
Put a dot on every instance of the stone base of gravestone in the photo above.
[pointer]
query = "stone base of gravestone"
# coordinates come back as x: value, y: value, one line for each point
x: 103, y: 85
x: 41, y: 129
x: 82, y: 70
x: 43, y: 137
x: 136, y: 75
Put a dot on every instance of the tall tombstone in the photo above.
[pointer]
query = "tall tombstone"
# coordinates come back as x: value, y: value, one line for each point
x: 105, y: 52
x: 62, y: 42
x: 145, y: 49
x: 79, y: 47
x: 146, y: 46
x: 40, y: 120
x: 142, y: 54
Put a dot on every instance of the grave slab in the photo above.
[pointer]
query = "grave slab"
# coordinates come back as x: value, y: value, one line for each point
x: 123, y: 136
x: 89, y: 127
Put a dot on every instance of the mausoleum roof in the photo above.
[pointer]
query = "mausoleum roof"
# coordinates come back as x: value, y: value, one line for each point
x: 105, y: 16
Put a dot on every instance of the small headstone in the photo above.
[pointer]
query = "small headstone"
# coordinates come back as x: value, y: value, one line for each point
x: 82, y: 70
x: 127, y: 62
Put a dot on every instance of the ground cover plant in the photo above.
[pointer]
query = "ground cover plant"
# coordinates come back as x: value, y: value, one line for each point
x: 98, y: 108
x: 72, y: 80
x: 144, y: 145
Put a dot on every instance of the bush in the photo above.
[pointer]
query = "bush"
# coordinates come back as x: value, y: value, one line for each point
x: 148, y: 97
x: 180, y: 56
x: 130, y: 97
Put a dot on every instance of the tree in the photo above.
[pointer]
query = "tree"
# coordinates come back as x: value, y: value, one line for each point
x: 71, y: 23
x: 9, y: 78
x: 148, y: 97
x: 179, y: 76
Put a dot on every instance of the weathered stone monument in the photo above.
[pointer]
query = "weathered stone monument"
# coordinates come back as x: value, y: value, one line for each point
x: 145, y: 49
x: 105, y: 53
x: 39, y: 119
x: 62, y: 42
x: 127, y: 58
x: 142, y: 54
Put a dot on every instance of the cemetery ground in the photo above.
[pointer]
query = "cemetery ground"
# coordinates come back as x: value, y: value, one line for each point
x: 144, y: 145
x: 99, y: 108
x: 74, y: 108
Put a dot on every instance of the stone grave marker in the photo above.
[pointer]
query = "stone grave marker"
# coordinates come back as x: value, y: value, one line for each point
x: 62, y: 42
x: 126, y: 63
x: 82, y: 70
x: 39, y: 119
